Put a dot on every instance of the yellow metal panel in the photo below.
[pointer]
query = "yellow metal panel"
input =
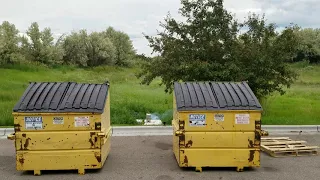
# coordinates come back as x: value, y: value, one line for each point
x: 228, y: 124
x: 219, y: 139
x: 175, y: 140
x: 105, y: 117
x: 219, y: 157
x: 48, y: 121
x: 57, y: 140
x: 57, y: 160
x: 105, y: 147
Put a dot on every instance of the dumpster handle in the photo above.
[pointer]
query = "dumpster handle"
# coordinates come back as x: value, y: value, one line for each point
x: 11, y: 136
x: 178, y: 133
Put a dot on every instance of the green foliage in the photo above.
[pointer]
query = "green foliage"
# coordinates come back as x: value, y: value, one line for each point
x: 123, y: 46
x: 88, y: 50
x: 75, y: 48
x: 208, y: 47
x: 261, y: 56
x: 309, y: 45
x: 9, y: 44
x: 100, y: 50
x: 109, y: 47
x: 39, y: 46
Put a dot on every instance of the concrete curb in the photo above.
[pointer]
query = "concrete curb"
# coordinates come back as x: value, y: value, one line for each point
x: 167, y: 130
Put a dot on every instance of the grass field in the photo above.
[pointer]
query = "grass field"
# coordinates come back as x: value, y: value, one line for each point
x: 130, y: 100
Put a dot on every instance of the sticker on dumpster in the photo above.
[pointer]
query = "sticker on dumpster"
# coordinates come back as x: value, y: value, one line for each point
x: 33, y: 122
x: 58, y: 120
x: 197, y: 120
x: 219, y: 117
x: 81, y: 121
x: 242, y: 119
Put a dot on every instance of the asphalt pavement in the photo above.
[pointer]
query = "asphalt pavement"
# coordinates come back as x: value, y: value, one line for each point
x: 151, y: 158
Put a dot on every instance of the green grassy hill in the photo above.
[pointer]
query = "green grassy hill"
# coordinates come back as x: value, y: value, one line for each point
x: 130, y: 100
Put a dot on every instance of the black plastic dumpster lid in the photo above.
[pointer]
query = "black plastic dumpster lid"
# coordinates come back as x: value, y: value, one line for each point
x: 63, y: 97
x: 215, y: 96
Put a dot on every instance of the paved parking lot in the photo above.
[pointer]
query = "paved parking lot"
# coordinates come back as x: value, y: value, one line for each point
x: 151, y: 158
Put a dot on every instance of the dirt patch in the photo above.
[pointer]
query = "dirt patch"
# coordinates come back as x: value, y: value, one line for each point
x: 163, y: 146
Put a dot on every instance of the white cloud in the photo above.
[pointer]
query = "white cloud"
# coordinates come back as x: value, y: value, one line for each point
x: 141, y: 16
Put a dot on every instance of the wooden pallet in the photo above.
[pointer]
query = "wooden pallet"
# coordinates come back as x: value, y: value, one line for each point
x: 284, y: 146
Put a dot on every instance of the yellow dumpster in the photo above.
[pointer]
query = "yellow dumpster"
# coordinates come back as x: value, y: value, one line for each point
x: 62, y: 126
x: 216, y: 124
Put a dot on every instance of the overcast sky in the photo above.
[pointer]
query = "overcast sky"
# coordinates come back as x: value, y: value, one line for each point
x: 141, y: 16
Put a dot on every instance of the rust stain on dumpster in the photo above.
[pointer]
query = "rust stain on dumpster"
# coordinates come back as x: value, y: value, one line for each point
x: 98, y: 158
x: 185, y: 161
x: 251, y: 145
x: 91, y: 142
x: 21, y: 160
x: 26, y: 144
x: 189, y: 144
x: 17, y: 127
x: 251, y: 155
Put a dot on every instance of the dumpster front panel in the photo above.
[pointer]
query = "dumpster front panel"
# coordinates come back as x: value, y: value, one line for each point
x: 222, y: 121
x: 58, y: 160
x: 57, y: 140
x: 217, y: 144
x: 219, y: 139
x: 55, y: 122
x: 219, y: 157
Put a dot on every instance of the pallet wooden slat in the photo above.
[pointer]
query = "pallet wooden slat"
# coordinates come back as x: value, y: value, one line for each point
x: 284, y: 143
x: 284, y: 146
x: 275, y: 138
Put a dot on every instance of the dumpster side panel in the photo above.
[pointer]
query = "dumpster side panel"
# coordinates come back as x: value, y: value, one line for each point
x: 175, y: 146
x: 105, y: 148
x: 220, y: 157
x: 105, y: 116
x: 175, y: 127
x: 58, y: 160
x: 105, y: 122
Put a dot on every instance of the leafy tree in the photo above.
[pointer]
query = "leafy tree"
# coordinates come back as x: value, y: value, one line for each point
x: 309, y: 45
x: 88, y: 50
x: 122, y: 44
x: 75, y: 48
x: 9, y: 51
x: 261, y: 55
x: 208, y: 47
x: 100, y: 50
x: 34, y: 46
x: 39, y: 45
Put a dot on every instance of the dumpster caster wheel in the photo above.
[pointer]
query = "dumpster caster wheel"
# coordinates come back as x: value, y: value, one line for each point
x: 198, y: 169
x: 239, y: 169
x: 37, y: 172
x: 81, y: 171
